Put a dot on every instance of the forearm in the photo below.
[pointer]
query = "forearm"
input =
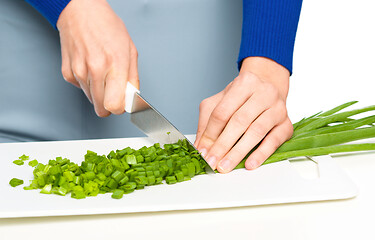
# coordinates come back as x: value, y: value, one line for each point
x: 50, y: 9
x: 269, y: 29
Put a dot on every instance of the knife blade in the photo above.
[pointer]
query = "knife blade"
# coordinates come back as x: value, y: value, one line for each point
x: 150, y: 121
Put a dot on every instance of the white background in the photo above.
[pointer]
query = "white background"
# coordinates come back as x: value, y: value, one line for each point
x: 334, y: 63
x: 334, y: 56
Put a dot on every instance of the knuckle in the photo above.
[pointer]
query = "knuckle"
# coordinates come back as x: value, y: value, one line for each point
x: 237, y: 153
x: 205, y: 102
x: 249, y: 76
x: 201, y: 105
x: 258, y: 130
x: 206, y: 141
x: 79, y: 71
x: 229, y: 86
x: 281, y: 110
x: 289, y: 128
x: 241, y: 80
x: 219, y: 114
x: 241, y: 119
x: 96, y: 65
x: 219, y: 149
x: 270, y: 90
x: 115, y: 58
x: 133, y: 52
x: 199, y: 132
x: 274, y: 143
x: 262, y: 156
x: 67, y: 74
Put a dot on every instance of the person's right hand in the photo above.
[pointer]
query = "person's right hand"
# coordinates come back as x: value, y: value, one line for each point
x: 98, y: 54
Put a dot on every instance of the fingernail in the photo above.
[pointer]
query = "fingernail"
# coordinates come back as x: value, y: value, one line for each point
x: 212, y: 162
x: 203, y: 152
x: 225, y: 165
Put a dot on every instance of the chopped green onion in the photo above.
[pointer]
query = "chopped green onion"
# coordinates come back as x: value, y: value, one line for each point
x: 171, y: 180
x: 129, y: 186
x: 151, y: 180
x: 124, y: 180
x: 78, y: 194
x: 131, y: 159
x: 47, y: 189
x: 33, y: 163
x: 159, y: 180
x: 77, y: 180
x: 112, y: 184
x: 140, y: 159
x: 14, y: 182
x: 90, y: 175
x: 69, y: 176
x: 101, y: 176
x: 62, y: 191
x: 142, y: 180
x: 18, y: 162
x: 117, y: 175
x: 117, y: 194
x: 179, y: 176
x: 24, y: 157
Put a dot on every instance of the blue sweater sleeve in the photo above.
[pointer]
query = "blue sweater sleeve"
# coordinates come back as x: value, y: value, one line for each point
x: 269, y: 30
x: 50, y: 9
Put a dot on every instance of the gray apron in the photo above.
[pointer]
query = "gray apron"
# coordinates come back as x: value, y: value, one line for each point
x: 187, y: 52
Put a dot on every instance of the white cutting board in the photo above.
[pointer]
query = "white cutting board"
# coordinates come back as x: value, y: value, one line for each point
x: 269, y: 184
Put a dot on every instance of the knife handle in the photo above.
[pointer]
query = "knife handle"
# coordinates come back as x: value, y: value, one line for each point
x: 129, y: 96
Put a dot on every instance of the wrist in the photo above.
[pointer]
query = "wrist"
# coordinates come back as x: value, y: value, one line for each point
x: 73, y: 8
x: 269, y: 71
x: 64, y: 15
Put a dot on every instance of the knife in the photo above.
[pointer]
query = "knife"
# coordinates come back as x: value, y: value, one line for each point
x: 150, y: 121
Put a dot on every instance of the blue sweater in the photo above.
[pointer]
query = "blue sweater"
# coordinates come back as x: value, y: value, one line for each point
x: 268, y: 30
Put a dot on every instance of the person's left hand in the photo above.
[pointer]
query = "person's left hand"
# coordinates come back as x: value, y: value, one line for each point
x: 251, y: 109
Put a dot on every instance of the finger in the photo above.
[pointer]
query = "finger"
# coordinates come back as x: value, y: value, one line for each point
x: 79, y: 70
x: 85, y: 86
x: 133, y: 67
x: 234, y: 98
x: 66, y: 69
x: 96, y: 86
x: 237, y: 126
x: 205, y: 109
x: 115, y: 85
x: 254, y: 134
x: 271, y: 142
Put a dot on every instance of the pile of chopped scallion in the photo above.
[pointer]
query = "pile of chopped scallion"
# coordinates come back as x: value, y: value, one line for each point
x: 120, y: 172
x: 124, y: 171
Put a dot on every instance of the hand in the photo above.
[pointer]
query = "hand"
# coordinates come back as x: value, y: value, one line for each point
x: 250, y: 110
x: 98, y: 54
